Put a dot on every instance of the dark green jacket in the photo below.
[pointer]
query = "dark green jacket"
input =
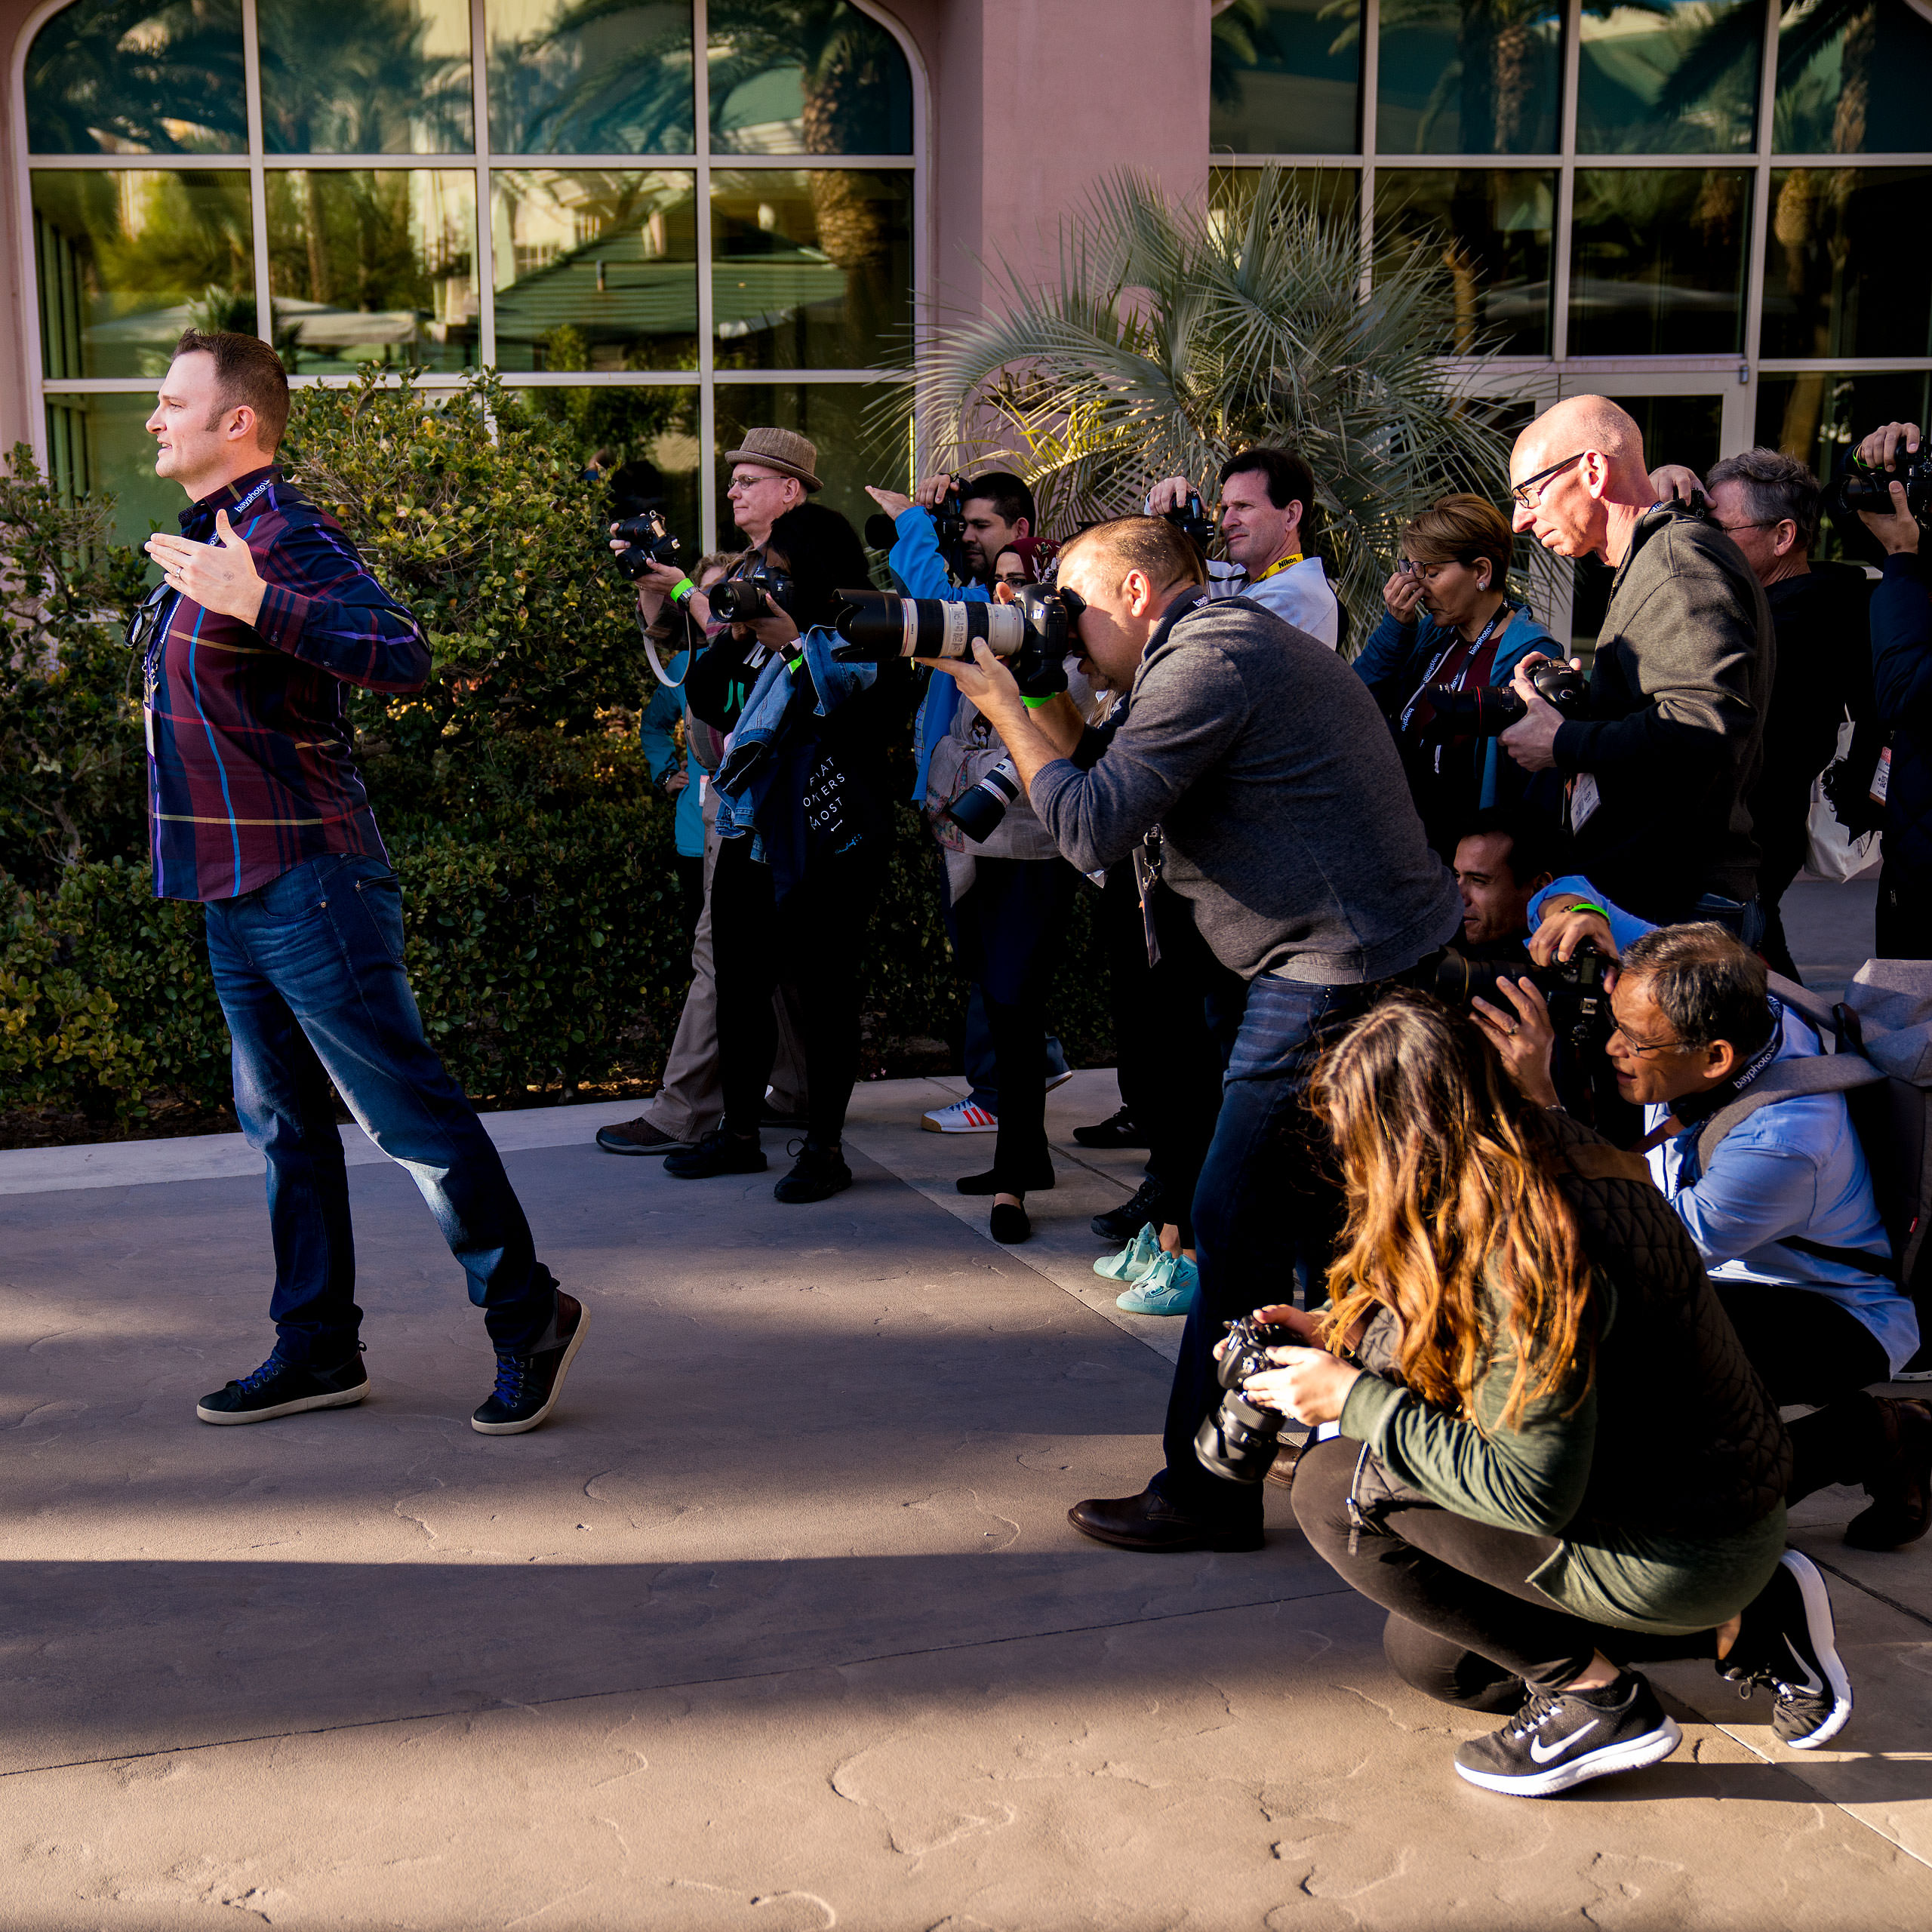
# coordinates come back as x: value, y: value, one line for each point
x: 1664, y: 1484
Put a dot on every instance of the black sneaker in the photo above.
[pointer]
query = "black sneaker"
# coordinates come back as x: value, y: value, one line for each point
x: 279, y: 1387
x: 1787, y: 1644
x: 1118, y: 1130
x: 821, y: 1172
x: 1554, y: 1743
x: 718, y: 1153
x: 1120, y: 1225
x: 527, y: 1386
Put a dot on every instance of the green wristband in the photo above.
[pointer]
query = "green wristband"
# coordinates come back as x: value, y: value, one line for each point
x: 682, y: 588
x: 1039, y: 703
x: 1589, y: 906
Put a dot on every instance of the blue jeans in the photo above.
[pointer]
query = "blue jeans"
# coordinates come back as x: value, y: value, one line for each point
x: 1266, y: 1213
x: 309, y: 969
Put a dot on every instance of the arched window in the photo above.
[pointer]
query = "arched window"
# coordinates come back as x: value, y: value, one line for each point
x: 661, y: 249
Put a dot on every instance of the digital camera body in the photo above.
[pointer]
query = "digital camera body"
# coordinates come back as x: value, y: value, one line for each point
x: 1860, y: 489
x: 1239, y: 1442
x: 645, y: 531
x: 742, y: 598
x: 1490, y: 709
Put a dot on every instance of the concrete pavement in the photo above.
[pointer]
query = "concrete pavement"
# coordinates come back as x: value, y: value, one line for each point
x: 779, y: 1624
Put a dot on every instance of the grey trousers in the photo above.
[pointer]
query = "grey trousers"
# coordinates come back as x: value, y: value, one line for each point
x: 691, y: 1101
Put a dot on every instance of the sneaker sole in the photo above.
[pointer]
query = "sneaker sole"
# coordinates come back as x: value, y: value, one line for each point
x: 670, y: 1147
x: 1131, y: 1307
x: 1822, y: 1629
x: 345, y: 1398
x: 933, y: 1126
x: 556, y: 1387
x: 1059, y: 1079
x: 1633, y: 1755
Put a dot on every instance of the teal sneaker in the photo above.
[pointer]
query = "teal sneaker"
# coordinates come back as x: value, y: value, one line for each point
x: 1166, y: 1288
x: 1134, y: 1260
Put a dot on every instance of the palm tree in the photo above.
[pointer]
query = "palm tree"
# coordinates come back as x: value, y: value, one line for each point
x: 1174, y: 337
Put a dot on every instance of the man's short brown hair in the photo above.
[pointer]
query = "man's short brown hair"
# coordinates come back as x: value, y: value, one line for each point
x: 247, y: 374
x: 1149, y: 544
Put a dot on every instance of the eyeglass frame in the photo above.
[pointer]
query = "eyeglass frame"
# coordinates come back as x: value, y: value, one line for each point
x: 1545, y: 477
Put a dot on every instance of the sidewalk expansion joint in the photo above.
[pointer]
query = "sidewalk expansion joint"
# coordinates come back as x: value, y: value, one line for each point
x: 1889, y: 1602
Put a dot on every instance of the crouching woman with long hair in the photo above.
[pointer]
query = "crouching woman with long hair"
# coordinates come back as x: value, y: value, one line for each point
x: 1554, y: 1459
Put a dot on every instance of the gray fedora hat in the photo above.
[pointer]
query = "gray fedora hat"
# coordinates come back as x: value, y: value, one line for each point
x: 784, y: 451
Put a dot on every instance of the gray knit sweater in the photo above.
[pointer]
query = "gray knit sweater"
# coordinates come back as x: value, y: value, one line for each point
x: 1286, y: 820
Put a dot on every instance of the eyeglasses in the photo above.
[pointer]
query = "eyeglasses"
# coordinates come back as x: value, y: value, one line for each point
x: 740, y: 481
x: 1522, y: 491
x: 1642, y: 1047
x: 1755, y: 523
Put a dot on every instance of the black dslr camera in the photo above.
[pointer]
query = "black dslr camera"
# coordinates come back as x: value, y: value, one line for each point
x: 741, y: 599
x: 1572, y: 988
x: 643, y: 527
x: 1193, y: 521
x: 1490, y: 709
x: 1238, y: 1441
x: 1859, y: 488
x: 948, y: 521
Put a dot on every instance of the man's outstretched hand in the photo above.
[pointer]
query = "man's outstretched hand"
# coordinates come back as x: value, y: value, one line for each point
x: 220, y: 576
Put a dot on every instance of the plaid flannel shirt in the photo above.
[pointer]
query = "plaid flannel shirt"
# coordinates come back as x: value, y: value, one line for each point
x: 251, y: 769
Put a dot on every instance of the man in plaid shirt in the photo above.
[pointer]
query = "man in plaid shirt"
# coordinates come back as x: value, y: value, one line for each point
x: 265, y: 612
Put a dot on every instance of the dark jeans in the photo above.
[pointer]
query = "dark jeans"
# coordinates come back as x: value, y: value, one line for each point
x: 1808, y: 1348
x: 1267, y: 1210
x: 308, y: 970
x: 1465, y: 1625
x: 1136, y: 1017
x: 982, y: 1064
x: 1005, y: 932
x: 1199, y: 1004
x: 1904, y: 919
x: 816, y: 937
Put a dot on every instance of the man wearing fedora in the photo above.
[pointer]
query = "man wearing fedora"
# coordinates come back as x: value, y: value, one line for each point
x: 772, y: 471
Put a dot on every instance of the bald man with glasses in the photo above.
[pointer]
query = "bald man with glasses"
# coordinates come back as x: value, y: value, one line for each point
x: 1657, y: 767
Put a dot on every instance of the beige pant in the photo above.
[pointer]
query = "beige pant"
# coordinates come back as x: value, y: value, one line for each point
x: 691, y: 1101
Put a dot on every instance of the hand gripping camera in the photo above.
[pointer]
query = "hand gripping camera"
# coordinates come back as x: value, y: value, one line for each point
x: 648, y: 536
x: 1860, y: 488
x: 949, y: 521
x: 1490, y: 709
x: 1238, y: 1441
x: 1193, y: 522
x: 742, y: 599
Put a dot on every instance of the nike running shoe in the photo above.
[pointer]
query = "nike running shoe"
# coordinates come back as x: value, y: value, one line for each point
x: 1788, y: 1644
x: 1554, y: 1742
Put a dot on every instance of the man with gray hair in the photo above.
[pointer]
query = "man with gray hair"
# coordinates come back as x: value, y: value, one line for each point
x: 1660, y: 762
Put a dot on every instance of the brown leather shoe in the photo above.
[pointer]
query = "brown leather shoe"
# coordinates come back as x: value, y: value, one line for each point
x: 1282, y: 1470
x: 1901, y: 1488
x: 639, y: 1137
x: 1149, y: 1522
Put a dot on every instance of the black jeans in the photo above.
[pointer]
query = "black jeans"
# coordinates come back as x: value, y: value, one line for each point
x: 1465, y: 1626
x: 1136, y: 1017
x: 816, y: 937
x: 1904, y: 916
x: 1809, y: 1349
x: 1265, y: 1213
x: 1005, y: 934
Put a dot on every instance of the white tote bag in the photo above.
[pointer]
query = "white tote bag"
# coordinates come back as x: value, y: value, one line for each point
x: 1833, y: 855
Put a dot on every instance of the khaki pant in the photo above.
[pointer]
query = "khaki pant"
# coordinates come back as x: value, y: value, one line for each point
x: 691, y: 1101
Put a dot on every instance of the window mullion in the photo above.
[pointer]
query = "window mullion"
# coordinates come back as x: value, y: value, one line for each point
x: 1562, y: 239
x: 707, y: 394
x: 258, y: 185
x: 485, y: 258
x: 1759, y: 244
x: 1371, y: 83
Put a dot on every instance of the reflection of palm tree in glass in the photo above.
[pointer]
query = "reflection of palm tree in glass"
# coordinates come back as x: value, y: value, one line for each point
x: 148, y: 76
x: 352, y: 77
x: 545, y: 98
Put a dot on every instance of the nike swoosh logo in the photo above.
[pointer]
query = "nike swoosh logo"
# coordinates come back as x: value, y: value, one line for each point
x: 1542, y: 1756
x: 1813, y: 1683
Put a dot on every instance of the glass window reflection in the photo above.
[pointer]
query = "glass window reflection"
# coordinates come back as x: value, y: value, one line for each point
x: 1836, y: 283
x: 1853, y: 79
x: 646, y: 439
x: 594, y: 268
x: 365, y: 76
x: 133, y: 77
x: 1333, y: 193
x: 1669, y: 77
x: 1469, y: 77
x: 1285, y: 78
x: 854, y: 447
x: 98, y: 445
x: 1656, y: 261
x: 1820, y: 415
x: 1493, y: 227
x: 125, y: 259
x: 805, y: 77
x: 811, y: 268
x: 590, y: 77
x: 369, y: 265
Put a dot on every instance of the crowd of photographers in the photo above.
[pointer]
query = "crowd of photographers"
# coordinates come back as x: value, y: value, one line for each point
x: 1486, y: 1126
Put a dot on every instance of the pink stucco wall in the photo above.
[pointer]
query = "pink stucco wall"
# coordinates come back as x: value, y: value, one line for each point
x: 1031, y: 101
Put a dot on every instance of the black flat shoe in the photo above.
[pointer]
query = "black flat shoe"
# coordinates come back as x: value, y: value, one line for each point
x: 1009, y: 1223
x: 1149, y: 1522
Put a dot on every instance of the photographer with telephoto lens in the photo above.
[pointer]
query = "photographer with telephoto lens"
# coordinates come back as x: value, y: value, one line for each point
x: 1553, y: 1462
x: 803, y: 826
x: 1253, y: 751
x: 1452, y: 629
